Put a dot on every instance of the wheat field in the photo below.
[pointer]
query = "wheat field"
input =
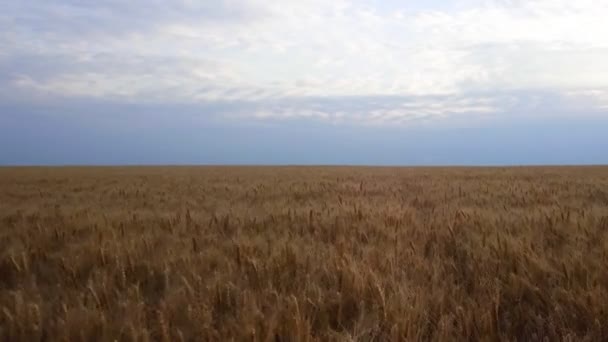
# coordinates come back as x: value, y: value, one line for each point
x: 303, y: 254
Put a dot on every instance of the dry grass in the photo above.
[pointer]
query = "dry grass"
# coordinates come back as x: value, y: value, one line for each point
x: 303, y: 254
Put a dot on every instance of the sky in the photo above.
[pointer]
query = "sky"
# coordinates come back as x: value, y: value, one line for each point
x: 372, y: 82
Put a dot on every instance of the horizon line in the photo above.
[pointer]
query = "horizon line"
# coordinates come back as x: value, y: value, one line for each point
x: 69, y: 165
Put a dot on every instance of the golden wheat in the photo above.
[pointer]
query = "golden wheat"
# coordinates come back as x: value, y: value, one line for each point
x: 303, y: 254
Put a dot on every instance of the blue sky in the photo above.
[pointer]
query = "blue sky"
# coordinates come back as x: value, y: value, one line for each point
x: 483, y: 82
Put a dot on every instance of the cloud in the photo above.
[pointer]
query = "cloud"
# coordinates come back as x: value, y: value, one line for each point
x: 374, y: 109
x: 594, y: 98
x: 281, y: 61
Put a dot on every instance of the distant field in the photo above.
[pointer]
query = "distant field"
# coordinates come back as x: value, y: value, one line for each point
x: 303, y: 253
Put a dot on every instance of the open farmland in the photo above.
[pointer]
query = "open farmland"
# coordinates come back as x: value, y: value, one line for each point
x: 303, y: 254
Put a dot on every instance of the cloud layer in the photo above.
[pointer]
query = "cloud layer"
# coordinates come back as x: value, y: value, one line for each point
x: 340, y: 61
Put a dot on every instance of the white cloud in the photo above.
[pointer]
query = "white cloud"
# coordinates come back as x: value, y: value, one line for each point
x: 374, y: 110
x: 597, y: 98
x: 253, y: 50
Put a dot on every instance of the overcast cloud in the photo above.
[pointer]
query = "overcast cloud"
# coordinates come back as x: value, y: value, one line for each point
x: 337, y: 63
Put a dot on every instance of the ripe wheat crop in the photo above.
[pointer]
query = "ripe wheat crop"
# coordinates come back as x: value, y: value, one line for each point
x: 303, y: 254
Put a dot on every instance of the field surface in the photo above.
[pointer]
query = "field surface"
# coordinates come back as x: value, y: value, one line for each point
x: 303, y: 254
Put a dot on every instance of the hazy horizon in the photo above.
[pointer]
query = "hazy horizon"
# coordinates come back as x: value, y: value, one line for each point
x: 310, y: 82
